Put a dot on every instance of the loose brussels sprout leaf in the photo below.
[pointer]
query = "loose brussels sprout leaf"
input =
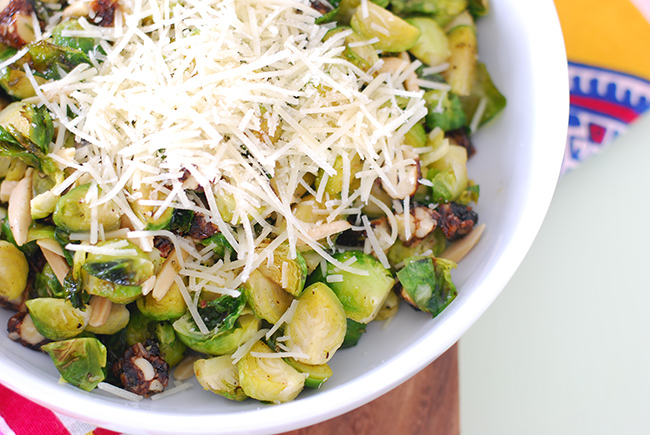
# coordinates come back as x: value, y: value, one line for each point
x: 483, y: 89
x: 172, y: 349
x: 85, y: 45
x: 449, y: 175
x: 444, y: 110
x: 432, y: 47
x: 390, y: 307
x: 416, y: 136
x: 118, y: 318
x: 289, y: 273
x: 468, y: 195
x: 25, y: 133
x: 328, y: 17
x: 57, y: 319
x: 353, y: 333
x: 80, y: 361
x: 428, y: 283
x: 434, y: 242
x: 318, y: 325
x: 394, y: 34
x: 170, y: 307
x: 74, y: 291
x: 13, y: 271
x: 48, y: 59
x: 222, y: 247
x: 316, y: 374
x: 72, y: 212
x: 181, y: 221
x: 268, y: 379
x: 46, y: 284
x: 216, y: 344
x: 360, y: 295
x: 220, y: 376
x: 479, y: 8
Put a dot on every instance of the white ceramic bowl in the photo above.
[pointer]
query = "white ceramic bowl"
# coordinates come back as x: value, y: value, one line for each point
x: 517, y: 166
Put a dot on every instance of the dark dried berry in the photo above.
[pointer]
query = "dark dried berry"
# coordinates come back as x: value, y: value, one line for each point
x: 456, y: 220
x: 142, y: 370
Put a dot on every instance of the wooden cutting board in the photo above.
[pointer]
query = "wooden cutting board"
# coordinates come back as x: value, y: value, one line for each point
x: 428, y: 403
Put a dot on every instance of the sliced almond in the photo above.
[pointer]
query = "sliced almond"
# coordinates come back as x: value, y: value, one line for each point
x: 101, y: 310
x: 19, y: 213
x: 165, y: 278
x: 460, y: 248
x: 6, y: 188
x: 56, y: 260
x: 185, y: 369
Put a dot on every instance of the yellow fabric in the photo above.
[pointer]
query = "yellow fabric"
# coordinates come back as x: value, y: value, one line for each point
x: 612, y: 34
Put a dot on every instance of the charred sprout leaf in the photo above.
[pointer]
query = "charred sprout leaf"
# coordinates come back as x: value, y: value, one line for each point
x: 222, y: 247
x: 73, y: 292
x: 221, y: 314
x: 80, y: 361
x: 428, y: 283
x: 63, y: 238
x: 220, y: 376
x: 484, y: 89
x: 181, y: 221
x: 353, y: 333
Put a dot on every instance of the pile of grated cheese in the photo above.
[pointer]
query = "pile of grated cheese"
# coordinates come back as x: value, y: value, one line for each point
x: 244, y: 97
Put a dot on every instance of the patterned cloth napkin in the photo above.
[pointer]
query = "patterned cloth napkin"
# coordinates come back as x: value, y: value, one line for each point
x: 608, y: 46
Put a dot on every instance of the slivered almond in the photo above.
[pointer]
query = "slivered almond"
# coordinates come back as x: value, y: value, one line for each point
x: 165, y: 278
x: 326, y: 230
x: 6, y: 188
x: 19, y: 213
x: 148, y: 285
x: 55, y: 260
x: 185, y: 369
x: 460, y: 248
x: 101, y: 310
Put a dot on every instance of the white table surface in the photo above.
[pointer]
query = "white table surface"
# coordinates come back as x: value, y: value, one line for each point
x: 565, y: 349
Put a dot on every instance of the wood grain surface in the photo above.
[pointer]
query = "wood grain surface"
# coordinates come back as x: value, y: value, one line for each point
x: 428, y: 403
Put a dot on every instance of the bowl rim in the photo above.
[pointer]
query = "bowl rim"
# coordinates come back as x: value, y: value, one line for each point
x: 266, y: 419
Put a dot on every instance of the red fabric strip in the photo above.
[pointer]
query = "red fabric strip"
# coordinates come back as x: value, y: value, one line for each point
x: 622, y: 113
x: 27, y: 418
x: 100, y: 431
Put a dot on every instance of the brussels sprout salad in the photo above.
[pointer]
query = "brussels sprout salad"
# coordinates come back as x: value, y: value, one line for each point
x: 231, y: 189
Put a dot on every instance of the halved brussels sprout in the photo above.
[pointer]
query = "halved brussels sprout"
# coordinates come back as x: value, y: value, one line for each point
x: 120, y: 294
x: 268, y: 379
x: 432, y: 47
x: 318, y: 325
x: 57, y: 319
x: 360, y: 295
x: 334, y: 183
x: 80, y: 361
x: 72, y: 212
x: 13, y: 271
x: 316, y: 374
x: 170, y: 307
x: 147, y: 213
x: 266, y: 298
x: 131, y: 267
x: 118, y: 318
x: 220, y: 343
x: 427, y: 281
x: 220, y: 376
x: 463, y: 59
x: 448, y: 175
x: 394, y: 34
x: 289, y: 273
